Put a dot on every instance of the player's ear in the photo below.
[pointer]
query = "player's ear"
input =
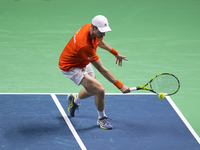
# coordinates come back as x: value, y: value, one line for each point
x: 94, y: 27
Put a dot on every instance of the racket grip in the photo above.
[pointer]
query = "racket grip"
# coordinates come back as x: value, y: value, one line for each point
x: 133, y: 88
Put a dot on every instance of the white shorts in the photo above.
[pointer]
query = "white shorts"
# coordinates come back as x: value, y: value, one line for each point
x: 77, y: 74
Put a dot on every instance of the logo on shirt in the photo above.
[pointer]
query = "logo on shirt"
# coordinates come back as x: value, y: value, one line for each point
x: 75, y: 36
x: 90, y: 57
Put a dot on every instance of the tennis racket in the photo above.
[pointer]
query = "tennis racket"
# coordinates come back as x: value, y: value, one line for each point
x: 166, y: 83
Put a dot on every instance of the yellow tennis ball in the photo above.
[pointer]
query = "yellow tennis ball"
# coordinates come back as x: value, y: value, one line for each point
x: 161, y: 95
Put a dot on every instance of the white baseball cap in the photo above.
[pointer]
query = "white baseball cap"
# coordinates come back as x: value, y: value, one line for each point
x: 101, y: 23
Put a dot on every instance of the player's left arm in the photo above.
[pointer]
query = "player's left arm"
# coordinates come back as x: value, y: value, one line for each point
x: 119, y: 57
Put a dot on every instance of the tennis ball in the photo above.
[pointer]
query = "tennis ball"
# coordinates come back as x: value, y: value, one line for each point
x: 161, y: 95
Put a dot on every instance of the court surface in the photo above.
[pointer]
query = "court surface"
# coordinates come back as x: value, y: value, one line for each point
x: 141, y: 122
x: 157, y: 36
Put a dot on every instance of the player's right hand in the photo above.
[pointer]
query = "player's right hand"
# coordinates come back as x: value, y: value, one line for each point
x: 125, y: 89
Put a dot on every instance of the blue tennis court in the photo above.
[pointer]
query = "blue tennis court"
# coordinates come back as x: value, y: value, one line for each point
x: 140, y: 121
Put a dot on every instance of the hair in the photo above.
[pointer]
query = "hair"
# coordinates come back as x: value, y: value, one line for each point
x: 94, y: 26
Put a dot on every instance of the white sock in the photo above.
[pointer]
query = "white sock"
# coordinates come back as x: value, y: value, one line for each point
x: 77, y: 100
x: 101, y: 114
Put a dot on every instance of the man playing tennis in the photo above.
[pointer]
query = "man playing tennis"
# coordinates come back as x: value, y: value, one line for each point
x: 75, y: 63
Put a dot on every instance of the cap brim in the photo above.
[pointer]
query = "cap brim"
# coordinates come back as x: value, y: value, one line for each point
x: 104, y: 29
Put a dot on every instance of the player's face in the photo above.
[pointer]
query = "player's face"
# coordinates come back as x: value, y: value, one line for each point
x: 99, y: 34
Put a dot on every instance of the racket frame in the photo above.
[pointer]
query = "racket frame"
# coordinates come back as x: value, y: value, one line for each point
x: 143, y: 87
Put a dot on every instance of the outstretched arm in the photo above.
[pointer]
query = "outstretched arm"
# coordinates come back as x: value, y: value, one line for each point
x: 110, y: 77
x: 119, y: 57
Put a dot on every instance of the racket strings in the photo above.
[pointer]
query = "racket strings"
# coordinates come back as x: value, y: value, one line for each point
x: 165, y: 84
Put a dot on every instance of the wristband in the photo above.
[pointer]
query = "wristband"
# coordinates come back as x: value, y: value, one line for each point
x: 114, y: 52
x: 118, y: 84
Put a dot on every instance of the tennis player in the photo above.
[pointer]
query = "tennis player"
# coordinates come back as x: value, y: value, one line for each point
x: 75, y: 63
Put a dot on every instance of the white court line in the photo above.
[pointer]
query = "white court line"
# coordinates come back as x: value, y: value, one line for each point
x: 74, y: 93
x: 68, y: 122
x: 183, y: 119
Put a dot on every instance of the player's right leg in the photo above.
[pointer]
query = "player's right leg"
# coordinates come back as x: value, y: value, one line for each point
x: 93, y: 87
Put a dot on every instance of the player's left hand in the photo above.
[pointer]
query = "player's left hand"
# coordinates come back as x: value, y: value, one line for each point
x: 119, y: 59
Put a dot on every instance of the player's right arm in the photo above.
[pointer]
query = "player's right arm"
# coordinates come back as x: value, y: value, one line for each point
x: 109, y: 76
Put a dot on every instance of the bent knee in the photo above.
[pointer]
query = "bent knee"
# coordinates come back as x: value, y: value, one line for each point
x: 101, y: 89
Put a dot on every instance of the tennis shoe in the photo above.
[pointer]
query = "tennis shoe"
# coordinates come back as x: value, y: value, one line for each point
x: 104, y: 123
x: 71, y: 105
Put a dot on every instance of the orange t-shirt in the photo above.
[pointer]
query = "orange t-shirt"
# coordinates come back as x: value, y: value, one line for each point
x: 80, y: 50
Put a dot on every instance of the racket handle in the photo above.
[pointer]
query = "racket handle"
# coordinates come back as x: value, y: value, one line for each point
x: 133, y: 88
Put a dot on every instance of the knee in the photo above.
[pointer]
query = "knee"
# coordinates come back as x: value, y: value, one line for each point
x: 101, y: 89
